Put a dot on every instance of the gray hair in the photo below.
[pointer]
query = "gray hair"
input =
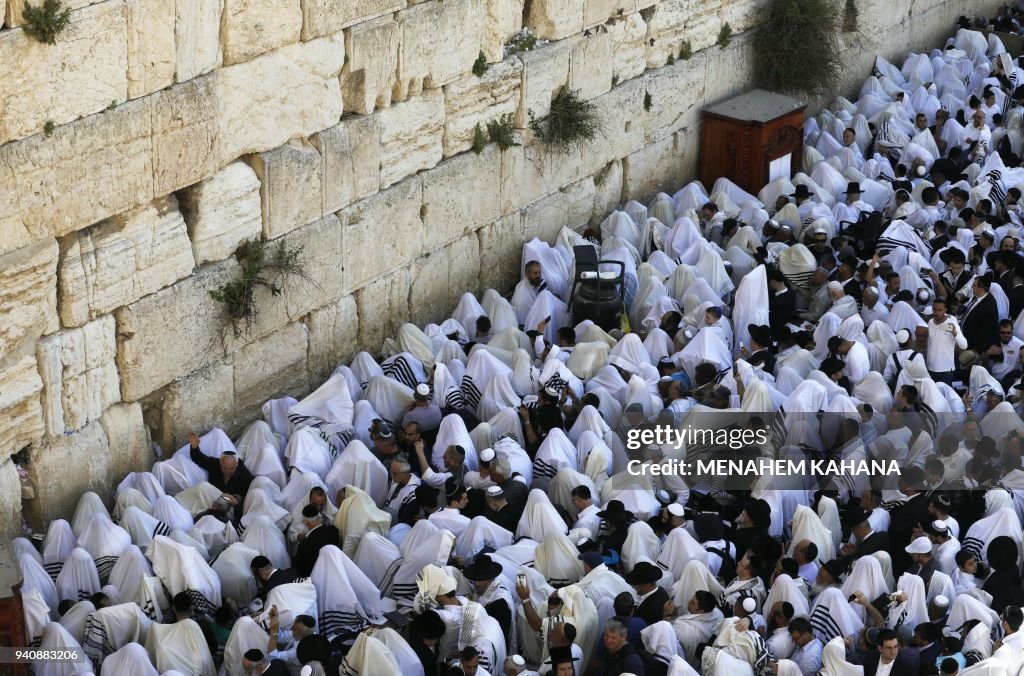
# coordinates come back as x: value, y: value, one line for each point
x: 616, y: 627
x: 403, y: 464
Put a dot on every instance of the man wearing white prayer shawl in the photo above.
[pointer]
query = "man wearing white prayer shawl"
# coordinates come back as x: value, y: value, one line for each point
x: 699, y: 623
x: 56, y: 638
x: 369, y: 655
x: 358, y: 515
x: 110, y: 629
x: 738, y: 649
x: 131, y: 659
x: 78, y: 578
x: 180, y: 646
x: 181, y: 569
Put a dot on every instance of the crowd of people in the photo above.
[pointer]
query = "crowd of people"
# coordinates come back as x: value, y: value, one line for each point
x: 471, y: 503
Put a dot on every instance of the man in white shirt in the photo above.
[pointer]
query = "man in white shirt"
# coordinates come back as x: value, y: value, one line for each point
x: 587, y: 515
x: 854, y: 356
x: 872, y: 309
x: 451, y: 517
x: 977, y: 137
x: 944, y: 336
x: 806, y: 555
x: 1006, y: 355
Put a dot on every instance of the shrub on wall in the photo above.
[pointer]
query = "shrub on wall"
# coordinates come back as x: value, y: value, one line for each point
x: 799, y: 47
x: 572, y: 122
x: 45, y: 22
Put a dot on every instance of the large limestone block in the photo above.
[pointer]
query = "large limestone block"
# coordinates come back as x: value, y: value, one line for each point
x: 176, y: 330
x: 21, y: 416
x: 460, y: 195
x: 428, y: 294
x: 80, y: 75
x: 28, y: 295
x: 320, y: 17
x: 151, y: 48
x: 383, y: 306
x: 569, y: 207
x: 673, y: 21
x: 383, y: 233
x: 370, y: 75
x: 607, y: 191
x: 10, y: 522
x: 501, y: 247
x: 556, y: 19
x: 128, y: 438
x: 464, y: 273
x: 545, y: 70
x: 333, y: 334
x: 222, y: 212
x: 121, y: 260
x: 65, y: 467
x: 596, y: 12
x: 591, y: 64
x: 15, y: 8
x: 411, y: 136
x: 271, y: 367
x: 629, y: 53
x: 88, y: 170
x: 197, y: 38
x: 440, y: 41
x: 535, y: 170
x: 677, y: 96
x: 504, y: 19
x: 185, y: 148
x: 350, y: 156
x: 289, y: 187
x: 730, y: 71
x: 79, y: 375
x: 194, y: 403
x: 252, y: 27
x: 620, y: 118
x: 293, y: 91
x: 473, y: 100
x: 653, y: 169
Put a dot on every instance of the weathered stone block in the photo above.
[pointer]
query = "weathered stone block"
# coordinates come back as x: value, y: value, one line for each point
x: 629, y: 53
x: 464, y: 271
x: 176, y: 330
x: 333, y: 333
x: 372, y: 69
x: 607, y: 191
x: 198, y: 401
x: 197, y: 38
x: 428, y: 293
x: 651, y: 170
x: 63, y: 468
x: 677, y: 97
x: 440, y: 42
x: 596, y: 12
x: 411, y: 136
x: 504, y: 19
x: 501, y: 245
x: 473, y: 100
x: 151, y: 49
x: 271, y: 367
x: 293, y: 91
x: 570, y: 207
x: 79, y: 75
x: 320, y: 17
x: 545, y: 70
x: 350, y: 157
x: 620, y: 114
x: 86, y: 171
x: 28, y: 295
x: 591, y: 64
x: 128, y: 438
x: 383, y: 233
x: 79, y: 375
x: 289, y: 187
x: 383, y: 306
x: 730, y: 71
x: 121, y: 260
x: 251, y: 27
x: 460, y: 195
x: 21, y: 416
x: 532, y: 171
x: 10, y: 521
x: 556, y: 19
x: 222, y: 212
x: 184, y: 144
x: 15, y: 8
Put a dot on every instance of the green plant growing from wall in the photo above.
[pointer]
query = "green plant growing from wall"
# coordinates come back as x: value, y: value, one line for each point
x: 686, y: 50
x: 479, y: 139
x: 480, y: 65
x: 850, y: 14
x: 263, y: 266
x: 45, y: 22
x: 648, y: 101
x: 571, y: 123
x: 791, y: 65
x: 48, y: 128
x: 500, y: 132
x: 615, y: 79
x: 671, y: 59
x: 725, y: 35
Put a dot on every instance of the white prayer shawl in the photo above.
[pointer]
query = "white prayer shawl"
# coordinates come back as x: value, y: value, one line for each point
x: 233, y: 569
x: 88, y: 505
x: 784, y: 589
x: 75, y: 619
x: 112, y: 628
x: 180, y: 568
x: 965, y: 607
x: 330, y: 406
x: 131, y: 659
x: 357, y: 515
x: 345, y: 598
x: 308, y: 451
x: 425, y: 545
x: 751, y: 305
x: 245, y: 635
x: 142, y: 527
x: 556, y: 452
x: 481, y: 532
x: 453, y: 432
x: 266, y: 461
x: 197, y: 499
x: 562, y: 485
x: 524, y: 374
x: 215, y: 534
x: 257, y: 435
x: 660, y: 640
x: 36, y: 616
x: 497, y: 396
x: 832, y: 616
x: 129, y: 497
x: 129, y: 573
x: 807, y: 525
x: 914, y: 610
x: 60, y: 540
x: 180, y: 646
x: 177, y: 474
x: 833, y: 660
x: 693, y: 629
x: 170, y: 511
x: 359, y: 467
x: 557, y: 559
x: 378, y: 558
x: 78, y: 578
x: 265, y: 537
x: 370, y: 655
x: 57, y: 638
x: 1003, y: 521
x: 866, y: 576
x: 540, y: 518
x: 292, y: 599
x: 1000, y: 420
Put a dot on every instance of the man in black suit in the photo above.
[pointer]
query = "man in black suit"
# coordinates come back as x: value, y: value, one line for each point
x: 1016, y: 292
x: 868, y: 540
x: 910, y: 515
x: 925, y: 643
x: 319, y: 536
x: 889, y: 657
x: 255, y: 662
x: 760, y: 348
x: 269, y: 577
x: 645, y: 577
x: 980, y: 322
x: 498, y: 509
x: 781, y: 301
x: 227, y: 473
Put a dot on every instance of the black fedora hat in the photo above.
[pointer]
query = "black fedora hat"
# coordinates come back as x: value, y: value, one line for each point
x: 613, y: 510
x: 855, y: 516
x: 561, y: 654
x: 760, y: 513
x: 482, y: 568
x: 802, y: 191
x: 852, y: 188
x: 952, y: 255
x: 429, y: 625
x: 834, y: 568
x: 644, y: 572
x: 762, y: 334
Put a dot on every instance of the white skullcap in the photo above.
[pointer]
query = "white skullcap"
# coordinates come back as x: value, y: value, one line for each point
x: 940, y: 526
x: 835, y: 286
x: 820, y: 231
x: 423, y: 389
x: 749, y: 604
x: 517, y: 661
x: 487, y: 454
x: 940, y: 601
x: 495, y: 492
x: 675, y: 509
x: 902, y: 336
x: 921, y: 545
x: 551, y: 391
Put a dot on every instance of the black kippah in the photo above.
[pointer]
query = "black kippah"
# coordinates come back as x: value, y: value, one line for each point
x: 310, y: 512
x: 254, y: 655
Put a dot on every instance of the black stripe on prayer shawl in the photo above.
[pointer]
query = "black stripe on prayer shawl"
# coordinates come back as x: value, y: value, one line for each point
x: 454, y: 399
x: 104, y: 565
x: 53, y: 569
x: 824, y: 624
x: 36, y: 641
x: 200, y: 604
x: 149, y: 609
x: 761, y: 661
x: 541, y: 468
x: 334, y: 622
x: 779, y: 429
x: 400, y: 370
x: 404, y: 591
x: 556, y: 382
x: 387, y: 581
x: 973, y: 545
x: 996, y: 189
x: 470, y: 393
x: 161, y: 529
x: 94, y: 642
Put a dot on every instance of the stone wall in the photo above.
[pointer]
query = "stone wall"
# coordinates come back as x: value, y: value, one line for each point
x: 174, y: 131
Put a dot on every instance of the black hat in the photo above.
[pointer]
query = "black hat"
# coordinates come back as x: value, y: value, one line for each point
x: 644, y: 572
x: 834, y: 568
x: 254, y: 655
x: 613, y: 510
x: 802, y: 191
x: 482, y: 568
x: 852, y: 188
x: 429, y: 625
x: 760, y: 513
x: 560, y: 655
x: 850, y: 260
x: 952, y: 255
x: 708, y: 527
x: 831, y: 365
x: 855, y: 516
x: 762, y: 335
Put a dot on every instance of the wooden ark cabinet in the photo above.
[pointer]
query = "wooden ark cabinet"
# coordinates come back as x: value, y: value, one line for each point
x: 743, y: 136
